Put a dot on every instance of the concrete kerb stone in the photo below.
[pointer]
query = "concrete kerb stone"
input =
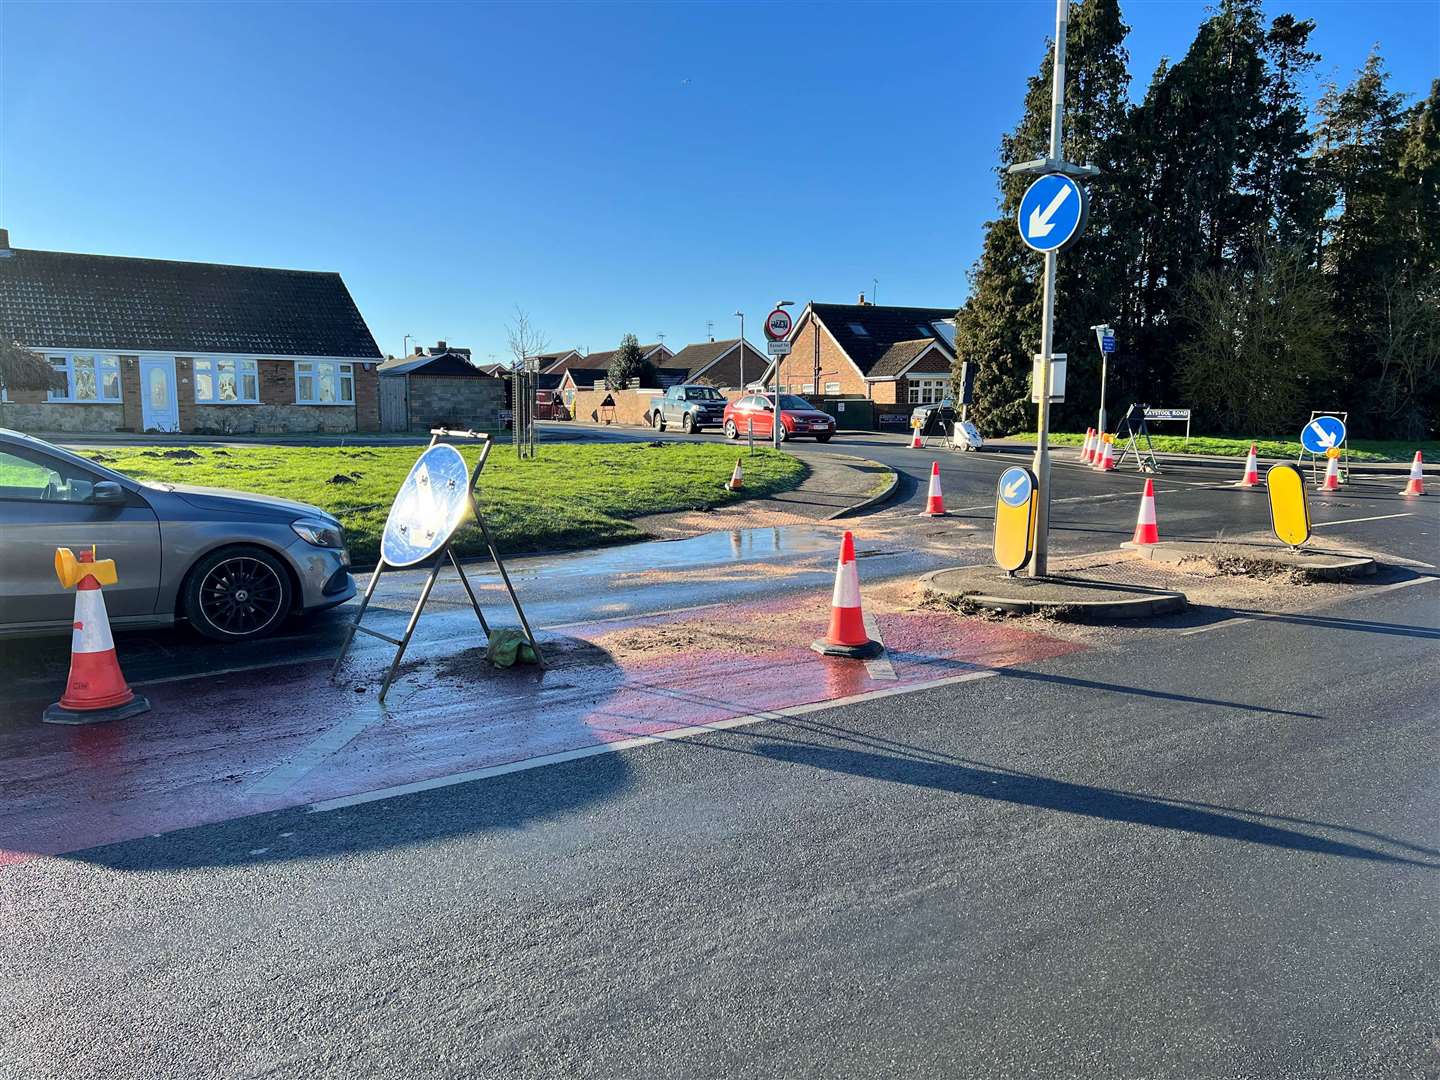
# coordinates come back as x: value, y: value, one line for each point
x: 1315, y: 564
x: 1075, y: 598
x: 874, y: 500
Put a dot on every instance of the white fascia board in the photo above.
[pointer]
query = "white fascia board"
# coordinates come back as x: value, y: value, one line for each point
x: 167, y: 353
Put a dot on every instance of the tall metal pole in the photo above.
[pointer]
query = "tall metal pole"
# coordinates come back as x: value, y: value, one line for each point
x: 742, y: 351
x: 1100, y: 332
x: 1038, y: 563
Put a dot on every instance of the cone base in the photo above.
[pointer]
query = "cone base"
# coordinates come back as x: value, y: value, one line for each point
x: 1247, y: 483
x: 58, y: 714
x: 1407, y: 491
x: 867, y: 651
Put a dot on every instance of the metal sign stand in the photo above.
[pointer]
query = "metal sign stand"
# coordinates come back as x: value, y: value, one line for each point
x: 1344, y: 447
x: 1133, y: 426
x: 445, y: 553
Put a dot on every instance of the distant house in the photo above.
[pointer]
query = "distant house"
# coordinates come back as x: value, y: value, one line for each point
x: 439, y: 387
x: 721, y: 363
x: 154, y: 345
x: 658, y: 354
x: 556, y: 362
x: 895, y: 357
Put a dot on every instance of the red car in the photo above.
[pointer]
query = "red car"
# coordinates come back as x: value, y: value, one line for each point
x: 797, y: 417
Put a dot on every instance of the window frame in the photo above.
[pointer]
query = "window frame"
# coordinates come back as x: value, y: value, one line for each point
x: 335, y: 370
x: 832, y: 389
x: 917, y: 386
x: 66, y: 365
x: 243, y: 366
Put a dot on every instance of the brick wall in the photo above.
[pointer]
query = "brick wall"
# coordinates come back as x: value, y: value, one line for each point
x: 463, y: 401
x: 798, y: 369
x: 367, y: 398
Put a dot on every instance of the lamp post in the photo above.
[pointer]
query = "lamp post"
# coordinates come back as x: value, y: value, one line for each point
x: 776, y: 424
x: 741, y: 316
x: 406, y: 344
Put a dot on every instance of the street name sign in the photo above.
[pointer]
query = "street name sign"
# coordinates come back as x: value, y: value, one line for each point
x: 1014, y: 518
x: 1167, y: 414
x: 1289, y: 510
x: 778, y: 348
x: 1322, y: 433
x: 1052, y: 212
x: 778, y: 324
x: 1107, y: 343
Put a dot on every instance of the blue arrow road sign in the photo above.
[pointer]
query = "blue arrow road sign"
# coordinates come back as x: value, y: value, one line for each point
x: 1107, y: 343
x: 1014, y: 486
x: 1322, y: 433
x: 1052, y: 213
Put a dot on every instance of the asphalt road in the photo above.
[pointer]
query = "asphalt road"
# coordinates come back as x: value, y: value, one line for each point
x: 1202, y: 856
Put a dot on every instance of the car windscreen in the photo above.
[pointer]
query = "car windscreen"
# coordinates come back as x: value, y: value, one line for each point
x: 704, y: 393
x: 790, y: 401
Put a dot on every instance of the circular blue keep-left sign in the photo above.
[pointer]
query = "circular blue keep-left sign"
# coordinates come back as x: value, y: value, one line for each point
x: 1014, y: 486
x: 1322, y: 433
x: 1052, y: 212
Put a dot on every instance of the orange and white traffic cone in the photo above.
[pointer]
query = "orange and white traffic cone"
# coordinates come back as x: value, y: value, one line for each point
x: 1107, y: 462
x: 1416, y: 486
x: 96, y: 690
x: 1146, y: 531
x: 1252, y: 470
x: 934, y: 501
x: 737, y: 478
x: 1332, y: 475
x: 1087, y: 449
x: 847, y: 636
x: 915, y: 443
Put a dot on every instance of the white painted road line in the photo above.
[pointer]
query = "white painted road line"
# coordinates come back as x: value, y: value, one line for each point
x: 381, y: 794
x: 279, y: 780
x: 880, y: 669
x: 1354, y: 521
x: 1261, y: 616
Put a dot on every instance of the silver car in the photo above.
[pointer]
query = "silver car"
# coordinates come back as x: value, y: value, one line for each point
x: 234, y: 565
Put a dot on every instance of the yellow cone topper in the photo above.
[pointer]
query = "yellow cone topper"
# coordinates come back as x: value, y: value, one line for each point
x: 71, y: 570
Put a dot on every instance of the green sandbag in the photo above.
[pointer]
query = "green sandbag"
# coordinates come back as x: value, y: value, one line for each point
x: 509, y: 647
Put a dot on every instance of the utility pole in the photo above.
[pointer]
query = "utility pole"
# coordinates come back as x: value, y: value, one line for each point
x: 1102, y: 331
x: 741, y: 316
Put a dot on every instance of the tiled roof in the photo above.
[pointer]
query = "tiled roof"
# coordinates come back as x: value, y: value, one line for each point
x: 585, y: 377
x: 695, y: 358
x: 867, y: 332
x: 57, y: 299
x: 446, y: 363
x: 900, y: 356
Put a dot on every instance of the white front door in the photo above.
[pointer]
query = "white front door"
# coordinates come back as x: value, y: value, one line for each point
x: 159, y: 407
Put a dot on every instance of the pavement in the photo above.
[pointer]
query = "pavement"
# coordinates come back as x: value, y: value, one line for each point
x: 1199, y: 846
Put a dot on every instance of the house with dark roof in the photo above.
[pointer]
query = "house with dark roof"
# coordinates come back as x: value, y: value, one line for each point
x: 658, y: 354
x: 896, y: 357
x: 155, y: 345
x: 439, y: 387
x: 727, y: 364
x: 555, y: 362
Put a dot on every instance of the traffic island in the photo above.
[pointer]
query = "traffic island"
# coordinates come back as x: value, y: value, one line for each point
x: 1258, y: 559
x: 988, y: 588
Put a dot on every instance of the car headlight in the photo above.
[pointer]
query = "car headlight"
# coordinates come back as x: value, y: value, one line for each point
x: 320, y: 533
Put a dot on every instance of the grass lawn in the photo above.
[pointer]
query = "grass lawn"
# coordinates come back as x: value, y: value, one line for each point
x: 570, y: 496
x: 1211, y: 446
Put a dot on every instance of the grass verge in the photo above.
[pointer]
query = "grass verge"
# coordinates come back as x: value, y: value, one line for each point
x: 570, y: 496
x: 1272, y: 447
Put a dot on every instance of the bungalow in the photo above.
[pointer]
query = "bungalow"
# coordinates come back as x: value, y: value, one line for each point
x: 895, y: 357
x: 725, y: 364
x: 153, y: 345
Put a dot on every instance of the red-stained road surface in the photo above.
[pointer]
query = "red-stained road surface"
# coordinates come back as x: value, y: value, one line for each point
x: 231, y: 745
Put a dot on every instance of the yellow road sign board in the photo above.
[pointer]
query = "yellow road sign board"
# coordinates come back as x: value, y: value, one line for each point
x: 1015, y: 518
x: 1289, y: 512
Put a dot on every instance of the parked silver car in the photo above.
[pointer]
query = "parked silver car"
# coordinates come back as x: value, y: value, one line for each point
x: 234, y: 565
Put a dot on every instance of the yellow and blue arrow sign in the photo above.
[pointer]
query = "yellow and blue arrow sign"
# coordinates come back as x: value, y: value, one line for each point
x: 1014, y: 518
x: 1323, y: 433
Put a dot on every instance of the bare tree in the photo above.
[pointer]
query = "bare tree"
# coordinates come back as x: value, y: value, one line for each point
x: 526, y: 344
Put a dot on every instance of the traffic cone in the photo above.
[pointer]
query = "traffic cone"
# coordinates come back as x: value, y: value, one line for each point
x: 1088, y: 447
x: 1252, y: 470
x: 96, y: 690
x: 1107, y: 462
x: 1332, y: 475
x: 1416, y: 486
x: 1146, y: 531
x: 847, y: 636
x: 737, y: 478
x: 935, y: 501
x: 915, y: 443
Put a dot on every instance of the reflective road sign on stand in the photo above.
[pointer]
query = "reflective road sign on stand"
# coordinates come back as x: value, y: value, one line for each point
x: 1289, y: 510
x: 1014, y: 518
x: 1052, y: 212
x: 1322, y: 433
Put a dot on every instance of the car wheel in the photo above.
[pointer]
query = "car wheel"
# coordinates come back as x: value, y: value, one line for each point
x: 731, y: 431
x: 687, y: 424
x: 237, y: 594
x: 784, y: 434
x: 657, y: 421
x: 822, y: 438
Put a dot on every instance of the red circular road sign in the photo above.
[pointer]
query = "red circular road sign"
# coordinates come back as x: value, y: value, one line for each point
x: 777, y: 325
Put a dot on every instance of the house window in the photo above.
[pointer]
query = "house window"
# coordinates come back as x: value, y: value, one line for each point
x: 88, y: 376
x: 858, y: 330
x: 832, y: 388
x: 324, y: 382
x: 226, y: 382
x: 926, y: 391
x: 809, y: 388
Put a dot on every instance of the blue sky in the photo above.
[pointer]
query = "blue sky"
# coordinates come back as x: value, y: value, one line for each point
x: 609, y: 168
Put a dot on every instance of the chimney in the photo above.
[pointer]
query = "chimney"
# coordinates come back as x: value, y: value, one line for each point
x: 861, y: 301
x: 440, y: 347
x: 4, y: 243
